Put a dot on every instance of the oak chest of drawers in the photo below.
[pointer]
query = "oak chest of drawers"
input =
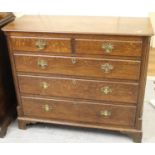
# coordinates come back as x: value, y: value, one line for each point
x: 80, y: 71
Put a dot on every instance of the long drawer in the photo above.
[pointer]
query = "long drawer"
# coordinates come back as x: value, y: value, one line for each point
x: 79, y: 111
x: 40, y: 44
x: 79, y: 88
x: 78, y: 66
x: 109, y: 47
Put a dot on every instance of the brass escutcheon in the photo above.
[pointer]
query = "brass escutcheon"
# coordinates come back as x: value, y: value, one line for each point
x: 74, y: 82
x: 74, y: 60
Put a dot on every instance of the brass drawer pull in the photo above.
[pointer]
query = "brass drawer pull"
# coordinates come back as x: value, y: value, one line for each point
x: 74, y: 60
x: 42, y: 64
x: 106, y: 90
x: 108, y: 47
x: 40, y: 44
x: 44, y: 85
x: 105, y: 113
x: 47, y: 108
x: 107, y: 67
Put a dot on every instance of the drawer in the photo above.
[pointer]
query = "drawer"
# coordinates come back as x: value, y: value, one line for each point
x: 79, y: 88
x: 78, y: 66
x: 108, y: 47
x: 64, y: 110
x: 38, y: 44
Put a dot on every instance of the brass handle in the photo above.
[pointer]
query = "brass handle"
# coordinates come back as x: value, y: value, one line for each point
x: 47, y: 108
x: 40, y: 44
x: 107, y: 67
x: 74, y: 60
x: 108, y: 47
x: 44, y: 85
x: 42, y: 64
x: 105, y: 113
x: 106, y: 90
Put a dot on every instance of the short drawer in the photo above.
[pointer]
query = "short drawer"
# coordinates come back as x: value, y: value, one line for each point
x: 64, y: 110
x: 78, y: 66
x: 38, y: 44
x: 79, y: 88
x: 108, y: 47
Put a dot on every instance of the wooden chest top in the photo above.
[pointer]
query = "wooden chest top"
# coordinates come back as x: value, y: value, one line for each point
x: 83, y: 25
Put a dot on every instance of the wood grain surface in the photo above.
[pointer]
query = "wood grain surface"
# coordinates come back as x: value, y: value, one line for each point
x: 79, y: 111
x: 78, y: 88
x: 83, y: 24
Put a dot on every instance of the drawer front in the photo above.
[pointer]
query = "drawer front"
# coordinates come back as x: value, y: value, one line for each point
x: 32, y: 44
x: 78, y: 66
x: 78, y: 88
x: 79, y: 111
x: 109, y: 47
